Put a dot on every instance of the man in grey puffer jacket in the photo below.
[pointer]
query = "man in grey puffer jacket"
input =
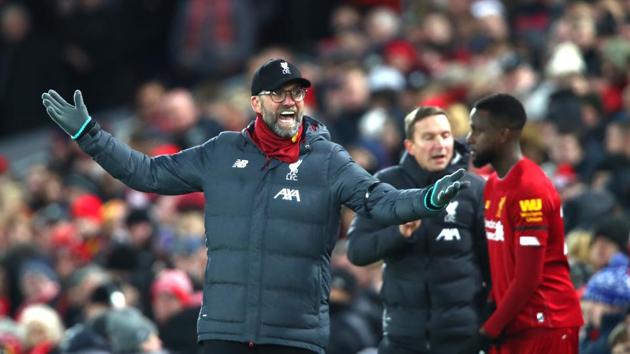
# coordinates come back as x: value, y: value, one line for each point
x: 273, y: 194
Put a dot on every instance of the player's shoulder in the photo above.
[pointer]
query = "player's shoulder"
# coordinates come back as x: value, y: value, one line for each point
x: 533, y: 182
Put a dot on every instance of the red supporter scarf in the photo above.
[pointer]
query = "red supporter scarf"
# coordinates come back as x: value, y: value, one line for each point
x: 283, y: 149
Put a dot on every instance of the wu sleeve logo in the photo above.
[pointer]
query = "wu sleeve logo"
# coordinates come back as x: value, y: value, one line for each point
x: 531, y: 209
x: 530, y: 204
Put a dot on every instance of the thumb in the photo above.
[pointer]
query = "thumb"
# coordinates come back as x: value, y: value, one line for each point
x: 457, y: 174
x: 78, y: 100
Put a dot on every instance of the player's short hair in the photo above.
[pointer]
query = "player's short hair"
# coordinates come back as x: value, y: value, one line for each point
x: 419, y: 114
x: 504, y: 109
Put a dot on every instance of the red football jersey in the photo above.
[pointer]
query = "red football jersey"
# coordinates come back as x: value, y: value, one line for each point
x: 528, y: 256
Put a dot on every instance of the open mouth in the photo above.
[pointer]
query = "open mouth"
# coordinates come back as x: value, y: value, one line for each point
x: 438, y: 158
x: 286, y: 116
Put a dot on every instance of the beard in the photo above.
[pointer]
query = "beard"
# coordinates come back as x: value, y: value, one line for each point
x: 481, y: 159
x: 272, y: 119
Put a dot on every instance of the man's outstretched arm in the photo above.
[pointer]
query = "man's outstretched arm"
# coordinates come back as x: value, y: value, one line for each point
x: 368, y: 197
x: 174, y: 174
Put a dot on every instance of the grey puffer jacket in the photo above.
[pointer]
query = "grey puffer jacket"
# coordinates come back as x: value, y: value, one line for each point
x: 270, y: 226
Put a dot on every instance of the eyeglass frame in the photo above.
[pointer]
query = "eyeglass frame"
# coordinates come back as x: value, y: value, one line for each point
x: 284, y: 94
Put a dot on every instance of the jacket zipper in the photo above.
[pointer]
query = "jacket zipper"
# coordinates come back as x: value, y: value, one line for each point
x: 262, y: 258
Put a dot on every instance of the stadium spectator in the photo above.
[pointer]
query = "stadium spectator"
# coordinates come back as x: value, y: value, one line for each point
x: 605, y: 299
x: 175, y: 310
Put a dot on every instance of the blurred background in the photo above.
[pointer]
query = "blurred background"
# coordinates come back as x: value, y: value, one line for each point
x: 79, y: 250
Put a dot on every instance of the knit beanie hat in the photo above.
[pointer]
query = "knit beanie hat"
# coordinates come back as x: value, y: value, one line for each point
x: 611, y: 285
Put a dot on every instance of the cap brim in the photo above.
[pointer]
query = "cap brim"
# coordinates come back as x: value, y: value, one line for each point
x: 302, y: 81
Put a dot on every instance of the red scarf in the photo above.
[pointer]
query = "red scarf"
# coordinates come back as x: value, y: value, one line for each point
x: 283, y: 149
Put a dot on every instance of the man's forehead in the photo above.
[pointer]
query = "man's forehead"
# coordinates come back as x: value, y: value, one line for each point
x: 478, y: 115
x: 433, y: 121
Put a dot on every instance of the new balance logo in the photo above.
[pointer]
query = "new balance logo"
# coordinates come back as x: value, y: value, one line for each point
x: 288, y: 194
x: 240, y: 163
x: 450, y: 234
x: 530, y: 204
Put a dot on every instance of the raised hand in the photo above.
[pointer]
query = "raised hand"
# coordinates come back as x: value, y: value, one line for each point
x: 447, y: 188
x: 72, y: 119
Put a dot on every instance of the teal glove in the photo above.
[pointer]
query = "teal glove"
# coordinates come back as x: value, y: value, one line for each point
x: 444, y: 190
x: 72, y: 119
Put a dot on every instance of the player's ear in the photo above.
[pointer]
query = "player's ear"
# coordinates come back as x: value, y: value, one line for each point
x: 504, y: 135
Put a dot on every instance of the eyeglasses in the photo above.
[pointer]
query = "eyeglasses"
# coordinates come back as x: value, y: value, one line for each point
x: 297, y: 94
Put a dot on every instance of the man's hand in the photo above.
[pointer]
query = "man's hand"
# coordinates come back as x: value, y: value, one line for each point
x: 480, y: 341
x: 446, y: 189
x: 72, y: 119
x: 408, y: 228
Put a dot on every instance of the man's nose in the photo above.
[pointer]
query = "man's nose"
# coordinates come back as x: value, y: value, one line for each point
x: 440, y: 141
x: 290, y: 99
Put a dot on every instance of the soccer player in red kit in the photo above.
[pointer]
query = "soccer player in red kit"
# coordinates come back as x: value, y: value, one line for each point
x: 537, y: 308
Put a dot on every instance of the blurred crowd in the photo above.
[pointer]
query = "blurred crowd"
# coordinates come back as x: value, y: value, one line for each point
x: 90, y: 266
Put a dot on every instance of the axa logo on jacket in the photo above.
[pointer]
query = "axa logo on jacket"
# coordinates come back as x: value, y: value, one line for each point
x: 449, y: 234
x: 288, y: 194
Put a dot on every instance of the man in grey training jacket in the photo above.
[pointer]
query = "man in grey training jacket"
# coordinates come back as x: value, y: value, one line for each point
x: 273, y: 194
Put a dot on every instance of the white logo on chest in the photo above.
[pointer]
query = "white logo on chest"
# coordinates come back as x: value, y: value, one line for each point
x: 240, y: 163
x: 451, y: 211
x: 288, y: 194
x: 497, y: 234
x: 293, y: 171
x: 449, y: 234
